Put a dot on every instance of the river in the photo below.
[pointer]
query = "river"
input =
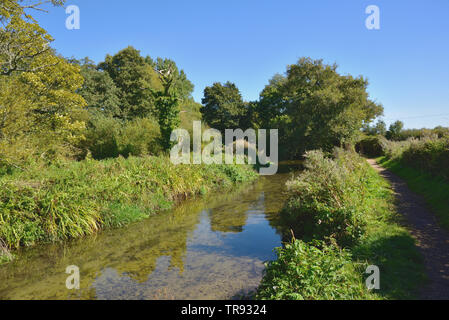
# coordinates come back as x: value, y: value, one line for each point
x: 213, y: 247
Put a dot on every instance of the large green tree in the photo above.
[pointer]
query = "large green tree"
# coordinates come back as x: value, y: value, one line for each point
x: 223, y: 106
x: 315, y: 107
x: 395, y: 130
x: 180, y: 85
x: 99, y: 90
x: 41, y: 113
x: 137, y: 81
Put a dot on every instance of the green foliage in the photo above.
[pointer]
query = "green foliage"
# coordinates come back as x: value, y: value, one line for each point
x: 110, y: 138
x: 136, y: 80
x: 329, y: 198
x: 24, y: 45
x: 380, y: 129
x: 316, y: 271
x: 42, y: 117
x: 306, y: 270
x: 223, y: 106
x: 434, y: 189
x: 168, y: 116
x: 371, y: 146
x: 394, y: 132
x: 178, y: 85
x: 99, y: 90
x: 61, y: 201
x: 316, y: 107
x: 429, y: 155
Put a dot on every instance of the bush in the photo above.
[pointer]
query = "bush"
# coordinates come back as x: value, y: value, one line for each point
x: 328, y: 199
x: 110, y: 138
x: 312, y: 272
x: 140, y: 137
x: 336, y: 202
x: 428, y: 155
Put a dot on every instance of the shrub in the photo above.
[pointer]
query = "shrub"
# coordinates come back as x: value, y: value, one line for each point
x: 109, y: 138
x: 428, y: 155
x: 336, y: 202
x: 140, y: 137
x: 327, y: 200
x: 316, y: 271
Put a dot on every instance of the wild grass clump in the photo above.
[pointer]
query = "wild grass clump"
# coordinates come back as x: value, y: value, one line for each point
x: 72, y: 199
x: 5, y: 255
x: 342, y: 203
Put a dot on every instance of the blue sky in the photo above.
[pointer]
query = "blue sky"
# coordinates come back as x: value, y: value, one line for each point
x: 247, y: 42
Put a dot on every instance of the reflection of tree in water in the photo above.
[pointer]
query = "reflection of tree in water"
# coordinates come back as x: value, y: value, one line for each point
x: 135, y: 250
x: 275, y: 197
x: 232, y: 215
x: 228, y: 218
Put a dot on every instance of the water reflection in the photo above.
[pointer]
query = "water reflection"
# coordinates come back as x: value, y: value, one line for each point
x: 210, y: 248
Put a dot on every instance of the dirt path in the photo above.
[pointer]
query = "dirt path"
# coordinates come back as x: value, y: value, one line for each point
x: 433, y: 242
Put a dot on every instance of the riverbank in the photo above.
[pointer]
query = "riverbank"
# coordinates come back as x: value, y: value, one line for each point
x: 344, y: 219
x: 74, y: 199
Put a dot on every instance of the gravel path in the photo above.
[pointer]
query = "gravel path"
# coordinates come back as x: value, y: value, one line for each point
x: 433, y: 242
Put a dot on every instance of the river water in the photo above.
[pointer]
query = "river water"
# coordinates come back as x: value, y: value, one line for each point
x: 212, y: 247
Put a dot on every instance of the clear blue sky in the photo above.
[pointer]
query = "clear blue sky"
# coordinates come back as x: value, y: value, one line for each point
x: 247, y: 42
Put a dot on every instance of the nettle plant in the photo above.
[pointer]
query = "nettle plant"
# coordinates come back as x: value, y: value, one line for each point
x: 327, y: 200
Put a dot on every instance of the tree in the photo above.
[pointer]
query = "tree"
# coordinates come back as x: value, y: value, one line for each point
x: 136, y: 80
x: 99, y: 90
x: 316, y: 108
x: 41, y: 114
x: 379, y: 129
x: 394, y: 132
x: 24, y: 45
x: 180, y: 86
x: 223, y: 106
x: 167, y: 102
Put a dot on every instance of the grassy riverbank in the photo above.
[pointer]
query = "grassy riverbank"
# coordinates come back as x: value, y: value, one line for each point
x: 434, y: 189
x: 74, y: 199
x: 343, y: 216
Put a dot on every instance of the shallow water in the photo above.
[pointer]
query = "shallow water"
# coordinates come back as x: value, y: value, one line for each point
x: 208, y: 248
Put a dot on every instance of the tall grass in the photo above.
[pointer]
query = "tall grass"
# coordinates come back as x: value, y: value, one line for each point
x: 73, y: 199
x: 344, y: 215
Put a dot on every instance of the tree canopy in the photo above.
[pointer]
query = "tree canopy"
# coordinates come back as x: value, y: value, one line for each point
x: 315, y: 107
x: 223, y: 106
